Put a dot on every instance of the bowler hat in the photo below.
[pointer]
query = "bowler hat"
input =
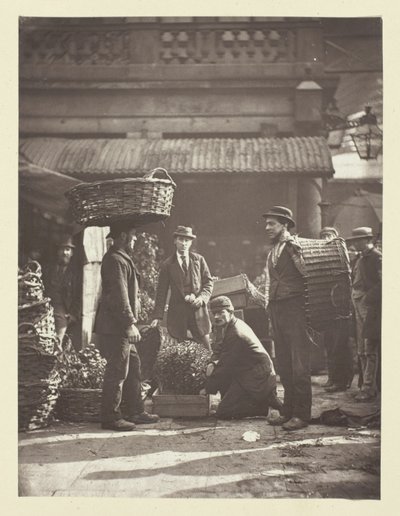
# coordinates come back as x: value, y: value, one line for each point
x: 66, y: 241
x: 329, y: 230
x: 283, y: 213
x: 221, y: 303
x: 116, y: 228
x: 361, y: 232
x: 184, y: 231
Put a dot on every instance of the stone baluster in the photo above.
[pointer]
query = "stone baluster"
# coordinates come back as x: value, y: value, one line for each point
x: 166, y: 42
x: 228, y: 38
x: 258, y: 39
x: 243, y: 45
x: 182, y: 46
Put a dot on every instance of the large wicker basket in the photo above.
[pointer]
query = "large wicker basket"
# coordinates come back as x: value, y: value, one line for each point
x: 328, y: 284
x: 142, y: 200
x: 79, y: 405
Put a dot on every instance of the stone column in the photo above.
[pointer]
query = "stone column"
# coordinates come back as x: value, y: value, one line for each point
x: 308, y: 207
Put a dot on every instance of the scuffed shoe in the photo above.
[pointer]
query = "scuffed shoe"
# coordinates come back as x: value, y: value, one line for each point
x: 294, y: 424
x: 278, y: 421
x: 144, y: 418
x: 119, y: 426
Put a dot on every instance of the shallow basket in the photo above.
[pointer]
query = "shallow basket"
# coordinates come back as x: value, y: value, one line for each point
x: 142, y: 200
x: 79, y: 405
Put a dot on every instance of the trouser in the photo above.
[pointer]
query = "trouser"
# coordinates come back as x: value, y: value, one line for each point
x: 191, y: 323
x: 122, y: 378
x: 369, y: 362
x: 339, y: 355
x: 236, y: 403
x: 367, y: 349
x: 292, y: 347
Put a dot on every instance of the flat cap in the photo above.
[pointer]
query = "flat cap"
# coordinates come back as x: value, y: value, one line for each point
x: 221, y: 303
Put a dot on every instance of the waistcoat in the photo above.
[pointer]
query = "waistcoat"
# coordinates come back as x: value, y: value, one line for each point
x: 285, y: 280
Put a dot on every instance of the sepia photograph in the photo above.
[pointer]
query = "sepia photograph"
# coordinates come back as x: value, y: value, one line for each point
x: 200, y: 214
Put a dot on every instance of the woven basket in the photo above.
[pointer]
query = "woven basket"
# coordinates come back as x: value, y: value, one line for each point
x: 79, y: 405
x: 30, y: 340
x: 30, y: 284
x: 142, y: 200
x: 36, y: 401
x: 328, y: 284
x: 40, y: 314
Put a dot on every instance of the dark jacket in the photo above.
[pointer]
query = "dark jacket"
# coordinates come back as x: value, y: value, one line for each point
x: 119, y: 303
x: 242, y: 357
x: 64, y: 288
x: 202, y: 285
x: 370, y: 269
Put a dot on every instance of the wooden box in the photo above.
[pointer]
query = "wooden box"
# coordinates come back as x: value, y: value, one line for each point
x: 181, y: 405
x: 235, y: 288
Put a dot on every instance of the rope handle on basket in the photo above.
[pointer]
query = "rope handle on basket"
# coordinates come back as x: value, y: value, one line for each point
x: 150, y: 174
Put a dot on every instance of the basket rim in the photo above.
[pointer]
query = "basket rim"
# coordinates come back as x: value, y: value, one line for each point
x: 123, y: 180
x: 79, y: 389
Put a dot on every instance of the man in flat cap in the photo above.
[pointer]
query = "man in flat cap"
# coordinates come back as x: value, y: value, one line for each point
x: 63, y: 284
x: 240, y: 368
x: 367, y: 296
x: 116, y: 327
x: 187, y: 275
x: 336, y: 342
x: 285, y: 301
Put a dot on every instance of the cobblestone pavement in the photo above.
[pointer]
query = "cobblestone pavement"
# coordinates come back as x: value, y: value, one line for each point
x: 205, y: 458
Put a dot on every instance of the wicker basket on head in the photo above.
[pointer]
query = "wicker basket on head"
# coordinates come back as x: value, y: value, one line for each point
x: 142, y: 200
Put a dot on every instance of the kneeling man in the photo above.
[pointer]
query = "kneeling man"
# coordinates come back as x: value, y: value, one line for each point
x: 241, y: 370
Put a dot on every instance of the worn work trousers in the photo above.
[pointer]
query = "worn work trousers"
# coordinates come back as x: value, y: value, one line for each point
x: 292, y: 347
x: 190, y: 316
x: 122, y: 378
x: 339, y: 354
x: 367, y: 349
x: 236, y: 403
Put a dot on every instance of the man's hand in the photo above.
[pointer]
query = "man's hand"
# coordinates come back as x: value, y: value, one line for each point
x: 197, y: 302
x: 210, y: 369
x: 133, y: 334
x: 154, y: 323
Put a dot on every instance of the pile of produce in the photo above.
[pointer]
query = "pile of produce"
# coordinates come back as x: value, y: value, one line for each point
x: 180, y: 367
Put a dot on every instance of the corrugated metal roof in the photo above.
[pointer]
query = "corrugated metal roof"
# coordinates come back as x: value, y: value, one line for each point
x: 124, y: 157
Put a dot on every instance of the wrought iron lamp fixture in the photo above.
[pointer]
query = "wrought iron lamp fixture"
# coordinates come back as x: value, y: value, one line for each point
x: 367, y: 137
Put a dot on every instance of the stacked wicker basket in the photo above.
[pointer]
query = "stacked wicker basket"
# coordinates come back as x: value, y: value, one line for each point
x: 38, y: 379
x: 328, y: 284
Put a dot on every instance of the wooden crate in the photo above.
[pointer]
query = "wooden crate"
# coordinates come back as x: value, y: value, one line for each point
x: 235, y: 288
x: 181, y: 405
x: 226, y: 286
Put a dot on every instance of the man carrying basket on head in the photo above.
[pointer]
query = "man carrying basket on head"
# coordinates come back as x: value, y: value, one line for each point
x: 191, y: 284
x: 115, y: 325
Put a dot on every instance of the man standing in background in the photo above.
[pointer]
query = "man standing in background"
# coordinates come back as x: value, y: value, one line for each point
x: 63, y: 285
x: 367, y: 296
x: 336, y: 342
x: 187, y: 275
